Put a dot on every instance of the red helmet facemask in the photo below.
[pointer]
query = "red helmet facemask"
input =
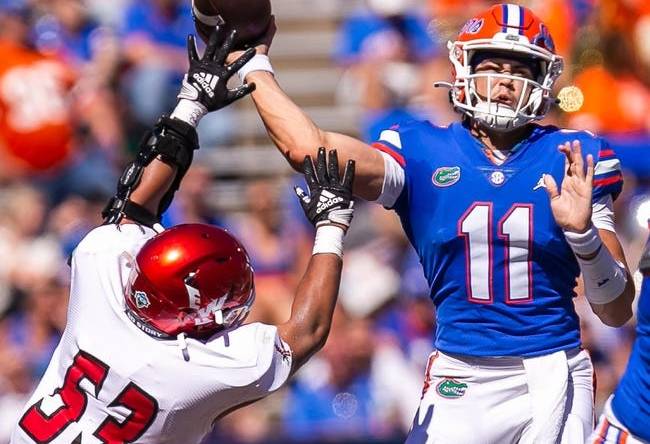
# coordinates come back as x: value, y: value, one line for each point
x: 194, y: 279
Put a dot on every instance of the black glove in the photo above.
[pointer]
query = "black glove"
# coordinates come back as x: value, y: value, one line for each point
x: 206, y: 81
x: 330, y: 199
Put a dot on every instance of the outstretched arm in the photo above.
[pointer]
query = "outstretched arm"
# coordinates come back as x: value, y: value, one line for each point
x: 148, y: 184
x: 296, y: 135
x: 608, y: 285
x: 329, y: 208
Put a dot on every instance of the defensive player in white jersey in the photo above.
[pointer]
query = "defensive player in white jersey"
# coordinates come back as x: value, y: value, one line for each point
x: 154, y: 349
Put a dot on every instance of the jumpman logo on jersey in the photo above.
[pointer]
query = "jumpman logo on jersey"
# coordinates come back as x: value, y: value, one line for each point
x: 540, y: 184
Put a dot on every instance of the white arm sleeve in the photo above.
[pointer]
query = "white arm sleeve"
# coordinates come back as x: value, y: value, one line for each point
x: 394, y: 179
x: 602, y: 215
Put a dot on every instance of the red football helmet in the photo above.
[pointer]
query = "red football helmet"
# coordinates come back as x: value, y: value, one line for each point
x: 509, y: 31
x: 194, y: 279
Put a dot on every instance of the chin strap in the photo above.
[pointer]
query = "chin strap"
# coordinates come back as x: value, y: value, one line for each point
x: 171, y: 141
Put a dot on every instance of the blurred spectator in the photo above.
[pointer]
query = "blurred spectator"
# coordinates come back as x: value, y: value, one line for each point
x: 190, y: 204
x: 35, y: 330
x: 457, y: 9
x: 346, y: 395
x: 23, y: 211
x: 108, y: 13
x: 73, y: 218
x: 36, y: 133
x: 155, y: 35
x: 68, y: 31
x: 256, y: 423
x: 154, y: 42
x: 390, y: 57
x: 277, y: 246
x: 616, y: 101
x: 16, y: 384
x: 609, y: 349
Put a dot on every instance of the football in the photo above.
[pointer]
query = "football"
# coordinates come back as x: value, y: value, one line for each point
x: 250, y: 18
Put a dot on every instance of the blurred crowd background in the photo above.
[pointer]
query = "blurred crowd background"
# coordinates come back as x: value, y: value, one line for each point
x: 80, y: 80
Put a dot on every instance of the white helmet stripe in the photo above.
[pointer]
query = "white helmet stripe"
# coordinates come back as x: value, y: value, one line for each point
x: 514, y: 19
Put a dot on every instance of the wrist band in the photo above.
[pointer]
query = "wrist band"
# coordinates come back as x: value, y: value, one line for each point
x: 209, y: 20
x: 584, y: 244
x: 189, y: 112
x: 329, y: 239
x: 604, y: 278
x: 259, y: 62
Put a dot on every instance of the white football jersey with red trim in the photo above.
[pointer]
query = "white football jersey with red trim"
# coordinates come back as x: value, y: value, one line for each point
x: 109, y: 382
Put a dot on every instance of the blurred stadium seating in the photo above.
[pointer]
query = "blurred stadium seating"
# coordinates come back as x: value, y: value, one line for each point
x: 43, y: 214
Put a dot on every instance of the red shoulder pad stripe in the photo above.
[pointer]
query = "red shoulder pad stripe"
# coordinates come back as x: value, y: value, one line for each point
x: 384, y: 149
x: 607, y: 180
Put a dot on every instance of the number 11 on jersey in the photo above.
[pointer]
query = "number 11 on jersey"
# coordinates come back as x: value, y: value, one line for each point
x: 515, y: 229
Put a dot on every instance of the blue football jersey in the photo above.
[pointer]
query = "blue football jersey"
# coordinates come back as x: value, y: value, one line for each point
x: 500, y: 271
x: 631, y: 403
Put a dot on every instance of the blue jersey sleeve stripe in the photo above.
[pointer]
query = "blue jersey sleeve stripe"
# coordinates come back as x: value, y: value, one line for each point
x: 612, y: 185
x: 607, y: 175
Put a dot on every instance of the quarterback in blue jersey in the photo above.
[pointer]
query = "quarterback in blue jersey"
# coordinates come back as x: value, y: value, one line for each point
x: 626, y: 419
x: 504, y: 214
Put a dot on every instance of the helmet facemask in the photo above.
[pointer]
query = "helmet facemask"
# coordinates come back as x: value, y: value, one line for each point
x: 536, y: 94
x: 501, y: 116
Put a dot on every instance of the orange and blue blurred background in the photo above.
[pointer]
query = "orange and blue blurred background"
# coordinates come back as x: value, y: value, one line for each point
x: 80, y: 80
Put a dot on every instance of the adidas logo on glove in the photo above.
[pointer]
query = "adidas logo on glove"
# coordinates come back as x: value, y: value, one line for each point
x: 326, y: 201
x: 207, y: 81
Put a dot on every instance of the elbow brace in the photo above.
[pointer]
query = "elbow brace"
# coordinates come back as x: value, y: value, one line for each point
x: 604, y: 277
x: 173, y: 142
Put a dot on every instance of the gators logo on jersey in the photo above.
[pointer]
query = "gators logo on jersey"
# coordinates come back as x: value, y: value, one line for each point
x: 446, y: 176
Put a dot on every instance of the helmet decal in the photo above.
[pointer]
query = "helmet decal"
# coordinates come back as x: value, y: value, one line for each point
x: 141, y: 299
x: 544, y: 38
x: 473, y: 26
x: 213, y: 308
x: 192, y: 292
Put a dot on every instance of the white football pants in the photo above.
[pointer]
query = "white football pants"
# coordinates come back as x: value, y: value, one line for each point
x: 541, y: 400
